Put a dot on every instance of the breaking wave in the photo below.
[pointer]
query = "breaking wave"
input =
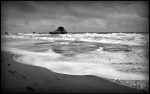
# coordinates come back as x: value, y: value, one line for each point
x: 98, y: 62
x: 116, y: 56
x: 113, y: 38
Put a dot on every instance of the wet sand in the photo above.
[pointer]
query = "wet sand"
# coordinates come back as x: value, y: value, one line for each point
x: 21, y: 78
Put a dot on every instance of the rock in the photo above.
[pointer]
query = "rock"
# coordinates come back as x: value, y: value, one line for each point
x: 24, y: 77
x: 33, y: 32
x: 30, y: 89
x: 6, y: 33
x: 12, y: 72
x: 8, y: 64
x: 60, y: 30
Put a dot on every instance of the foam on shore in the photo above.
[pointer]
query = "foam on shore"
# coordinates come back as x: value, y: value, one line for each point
x: 78, y: 65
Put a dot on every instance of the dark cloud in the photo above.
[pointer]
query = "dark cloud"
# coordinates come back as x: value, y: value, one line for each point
x: 23, y: 6
x: 102, y: 14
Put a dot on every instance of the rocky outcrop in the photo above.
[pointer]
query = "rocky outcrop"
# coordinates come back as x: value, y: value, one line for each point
x: 60, y: 30
x: 6, y: 33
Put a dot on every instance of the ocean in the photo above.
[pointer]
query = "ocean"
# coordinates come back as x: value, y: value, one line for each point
x: 119, y: 57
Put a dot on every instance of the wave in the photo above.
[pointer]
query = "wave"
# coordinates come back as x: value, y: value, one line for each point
x: 82, y: 64
x: 109, y: 61
x: 113, y: 38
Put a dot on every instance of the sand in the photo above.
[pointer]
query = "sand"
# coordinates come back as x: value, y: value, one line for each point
x: 21, y: 78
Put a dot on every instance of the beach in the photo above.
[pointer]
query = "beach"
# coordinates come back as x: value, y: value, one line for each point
x: 75, y: 47
x: 21, y: 78
x: 75, y: 63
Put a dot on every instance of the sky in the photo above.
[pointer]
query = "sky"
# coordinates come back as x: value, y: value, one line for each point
x: 75, y: 16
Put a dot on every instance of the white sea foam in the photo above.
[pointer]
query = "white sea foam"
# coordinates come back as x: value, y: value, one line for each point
x: 114, y: 38
x: 96, y: 63
x: 79, y: 68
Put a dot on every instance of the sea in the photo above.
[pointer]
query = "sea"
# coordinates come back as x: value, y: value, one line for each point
x: 119, y: 57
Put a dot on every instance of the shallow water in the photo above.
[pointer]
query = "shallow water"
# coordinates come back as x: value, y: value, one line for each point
x: 86, y: 53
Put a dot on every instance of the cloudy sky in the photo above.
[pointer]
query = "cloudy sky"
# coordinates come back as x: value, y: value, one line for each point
x: 75, y: 16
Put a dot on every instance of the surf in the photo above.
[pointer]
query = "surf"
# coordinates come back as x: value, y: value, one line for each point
x: 80, y: 64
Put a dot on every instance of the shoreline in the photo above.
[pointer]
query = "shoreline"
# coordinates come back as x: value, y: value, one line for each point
x: 22, y: 78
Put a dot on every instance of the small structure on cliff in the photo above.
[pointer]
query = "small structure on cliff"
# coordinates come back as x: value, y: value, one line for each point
x: 60, y: 30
